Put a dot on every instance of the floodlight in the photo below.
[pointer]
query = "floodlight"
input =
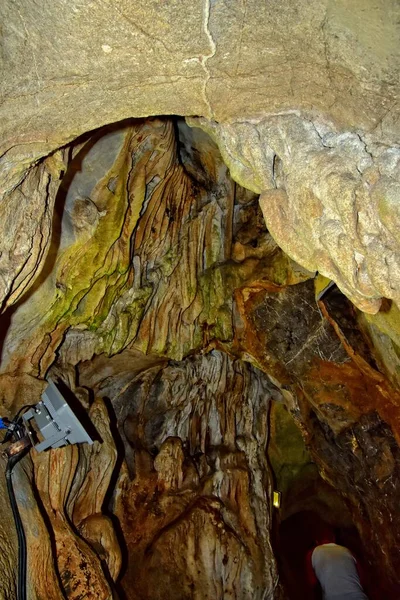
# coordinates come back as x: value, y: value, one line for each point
x: 51, y: 423
x: 55, y: 421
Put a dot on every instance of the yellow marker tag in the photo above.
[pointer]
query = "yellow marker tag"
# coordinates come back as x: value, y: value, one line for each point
x: 276, y: 499
x: 322, y: 285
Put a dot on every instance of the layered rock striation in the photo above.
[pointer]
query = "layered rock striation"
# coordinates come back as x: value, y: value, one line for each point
x: 137, y: 268
x: 194, y: 500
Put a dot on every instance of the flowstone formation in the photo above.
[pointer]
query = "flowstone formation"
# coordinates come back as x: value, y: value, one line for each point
x: 315, y: 86
x: 220, y: 291
x: 329, y: 198
x: 194, y: 499
x: 166, y: 306
x: 152, y: 238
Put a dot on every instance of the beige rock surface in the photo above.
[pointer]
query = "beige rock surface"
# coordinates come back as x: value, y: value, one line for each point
x: 331, y: 62
x: 42, y: 574
x: 78, y: 565
x: 89, y: 490
x: 26, y: 215
x: 303, y: 101
x: 71, y: 67
x: 329, y: 198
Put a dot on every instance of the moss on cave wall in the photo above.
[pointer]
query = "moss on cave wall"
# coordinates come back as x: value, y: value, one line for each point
x: 286, y: 449
x: 144, y: 244
x: 153, y: 259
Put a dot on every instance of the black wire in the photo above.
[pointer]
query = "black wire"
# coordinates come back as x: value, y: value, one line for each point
x: 22, y: 551
x: 16, y: 430
x: 15, y: 419
x: 15, y: 424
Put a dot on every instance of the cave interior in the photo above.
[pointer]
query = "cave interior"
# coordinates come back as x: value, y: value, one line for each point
x: 215, y: 370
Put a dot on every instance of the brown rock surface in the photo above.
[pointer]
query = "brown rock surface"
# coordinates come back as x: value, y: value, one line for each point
x: 229, y: 62
x: 79, y: 567
x: 42, y: 573
x: 196, y: 515
x: 155, y: 282
x: 345, y: 408
x: 8, y: 537
x: 60, y: 561
x: 331, y: 65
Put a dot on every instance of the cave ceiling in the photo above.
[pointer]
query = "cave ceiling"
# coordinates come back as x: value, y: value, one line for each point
x: 199, y: 212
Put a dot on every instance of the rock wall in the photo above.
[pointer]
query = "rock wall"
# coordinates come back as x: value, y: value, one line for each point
x: 27, y: 216
x: 315, y: 85
x: 345, y: 407
x: 194, y: 501
x: 150, y: 249
x: 8, y: 538
x: 72, y: 546
x: 158, y: 256
x: 329, y: 198
x: 227, y: 62
x: 152, y: 237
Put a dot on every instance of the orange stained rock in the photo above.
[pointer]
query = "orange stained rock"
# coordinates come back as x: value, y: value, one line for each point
x: 99, y: 531
x: 80, y: 570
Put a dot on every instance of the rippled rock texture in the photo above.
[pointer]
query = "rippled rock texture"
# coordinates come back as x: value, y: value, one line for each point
x: 150, y: 238
x: 136, y: 268
x: 294, y: 91
x: 149, y: 250
x: 165, y: 304
x: 194, y: 503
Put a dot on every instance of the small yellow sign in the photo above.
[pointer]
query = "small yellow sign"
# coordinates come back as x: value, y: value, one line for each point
x: 276, y: 499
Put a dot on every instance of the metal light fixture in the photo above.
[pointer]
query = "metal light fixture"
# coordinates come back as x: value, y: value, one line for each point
x: 55, y: 421
x: 49, y: 424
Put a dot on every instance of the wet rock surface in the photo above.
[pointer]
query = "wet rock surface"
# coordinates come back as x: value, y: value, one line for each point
x: 158, y: 267
x: 196, y: 511
x: 340, y: 402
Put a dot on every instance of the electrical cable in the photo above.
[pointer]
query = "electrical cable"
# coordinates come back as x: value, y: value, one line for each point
x: 15, y: 419
x: 16, y: 430
x: 67, y: 430
x: 14, y: 427
x: 22, y: 550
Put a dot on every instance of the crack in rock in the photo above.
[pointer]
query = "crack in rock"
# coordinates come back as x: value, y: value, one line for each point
x: 206, y: 57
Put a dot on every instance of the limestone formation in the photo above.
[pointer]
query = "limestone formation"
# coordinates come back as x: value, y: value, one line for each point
x: 329, y: 198
x: 163, y: 268
x: 224, y: 61
x: 42, y: 573
x: 162, y: 282
x: 161, y: 256
x: 198, y: 510
x: 26, y: 215
x: 8, y: 558
x: 79, y: 567
x: 331, y: 67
